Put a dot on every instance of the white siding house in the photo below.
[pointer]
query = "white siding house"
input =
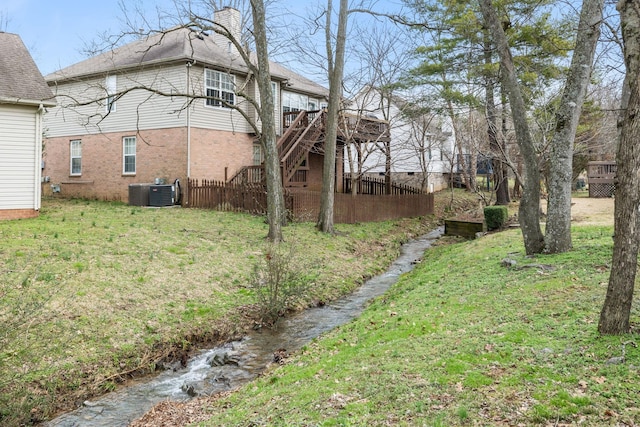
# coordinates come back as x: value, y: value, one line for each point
x: 420, y: 149
x: 23, y: 96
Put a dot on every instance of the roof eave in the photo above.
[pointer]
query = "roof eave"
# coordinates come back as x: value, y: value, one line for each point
x: 60, y: 78
x: 29, y: 102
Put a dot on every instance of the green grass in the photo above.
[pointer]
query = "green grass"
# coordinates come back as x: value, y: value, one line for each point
x: 463, y: 340
x: 92, y: 292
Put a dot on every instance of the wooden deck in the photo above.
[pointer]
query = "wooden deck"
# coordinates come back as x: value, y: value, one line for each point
x: 303, y: 134
x: 601, y: 177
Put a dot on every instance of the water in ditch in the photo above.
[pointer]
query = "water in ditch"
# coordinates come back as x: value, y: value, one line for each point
x: 235, y: 363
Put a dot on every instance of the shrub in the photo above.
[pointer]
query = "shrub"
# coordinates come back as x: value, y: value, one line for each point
x: 495, y: 216
x: 277, y: 281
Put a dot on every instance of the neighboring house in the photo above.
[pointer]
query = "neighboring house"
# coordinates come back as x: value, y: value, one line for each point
x: 110, y: 130
x: 23, y: 96
x: 420, y: 149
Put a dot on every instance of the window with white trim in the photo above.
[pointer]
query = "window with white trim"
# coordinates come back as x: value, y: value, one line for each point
x: 129, y: 155
x: 274, y: 92
x: 258, y: 154
x: 219, y: 88
x: 294, y: 102
x: 75, y: 164
x: 110, y: 86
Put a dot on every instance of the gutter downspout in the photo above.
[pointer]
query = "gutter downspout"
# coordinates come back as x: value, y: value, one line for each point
x: 38, y: 160
x: 189, y: 65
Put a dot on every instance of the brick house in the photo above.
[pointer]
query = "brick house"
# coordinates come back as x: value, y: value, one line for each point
x: 124, y: 117
x: 23, y: 96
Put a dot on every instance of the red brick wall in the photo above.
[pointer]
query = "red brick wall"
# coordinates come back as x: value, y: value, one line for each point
x: 17, y: 213
x: 213, y: 151
x: 160, y: 153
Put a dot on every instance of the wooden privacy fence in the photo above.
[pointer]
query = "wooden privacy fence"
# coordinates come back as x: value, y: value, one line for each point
x: 305, y: 205
x: 351, y: 209
x: 221, y: 196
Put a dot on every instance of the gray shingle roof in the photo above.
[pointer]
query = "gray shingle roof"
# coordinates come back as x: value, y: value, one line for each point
x: 178, y: 44
x: 20, y: 79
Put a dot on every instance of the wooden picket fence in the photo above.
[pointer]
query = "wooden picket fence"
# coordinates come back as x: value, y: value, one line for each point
x: 221, y: 196
x: 304, y: 205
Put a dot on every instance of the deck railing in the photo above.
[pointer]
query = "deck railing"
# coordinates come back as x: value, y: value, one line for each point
x: 369, y: 185
x: 601, y: 177
x: 249, y: 175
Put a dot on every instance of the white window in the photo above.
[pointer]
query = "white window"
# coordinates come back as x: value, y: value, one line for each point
x: 294, y: 102
x: 258, y: 154
x: 129, y: 155
x: 219, y: 88
x: 274, y: 92
x: 76, y: 157
x: 111, y: 89
x: 313, y: 106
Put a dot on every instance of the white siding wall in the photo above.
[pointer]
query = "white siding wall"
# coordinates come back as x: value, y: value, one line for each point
x: 219, y: 118
x: 19, y: 157
x: 277, y: 111
x: 138, y: 109
x: 403, y: 146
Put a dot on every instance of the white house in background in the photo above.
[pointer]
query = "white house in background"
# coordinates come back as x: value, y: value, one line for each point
x: 23, y: 96
x: 420, y: 150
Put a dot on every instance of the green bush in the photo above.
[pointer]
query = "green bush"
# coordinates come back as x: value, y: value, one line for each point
x: 495, y: 216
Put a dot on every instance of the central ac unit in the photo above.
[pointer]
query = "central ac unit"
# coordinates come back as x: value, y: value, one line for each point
x: 139, y: 194
x: 162, y: 195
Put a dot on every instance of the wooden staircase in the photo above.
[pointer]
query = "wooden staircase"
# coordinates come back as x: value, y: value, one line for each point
x: 304, y: 134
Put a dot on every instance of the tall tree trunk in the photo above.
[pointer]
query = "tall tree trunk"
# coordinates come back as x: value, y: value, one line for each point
x: 614, y: 317
x: 461, y: 161
x: 502, y: 174
x: 336, y: 69
x: 387, y: 167
x: 529, y: 210
x: 558, y: 230
x: 495, y: 145
x: 276, y: 212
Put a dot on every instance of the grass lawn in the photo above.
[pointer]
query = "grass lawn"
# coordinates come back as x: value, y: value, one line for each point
x: 94, y: 293
x: 462, y: 341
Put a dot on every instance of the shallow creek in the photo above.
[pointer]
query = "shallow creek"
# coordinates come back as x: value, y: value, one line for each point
x: 238, y: 362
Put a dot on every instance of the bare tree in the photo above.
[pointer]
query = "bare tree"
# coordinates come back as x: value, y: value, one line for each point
x: 615, y: 314
x: 335, y: 62
x: 529, y: 210
x: 276, y: 214
x: 382, y: 55
x: 578, y: 79
x: 558, y: 230
x: 4, y: 21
